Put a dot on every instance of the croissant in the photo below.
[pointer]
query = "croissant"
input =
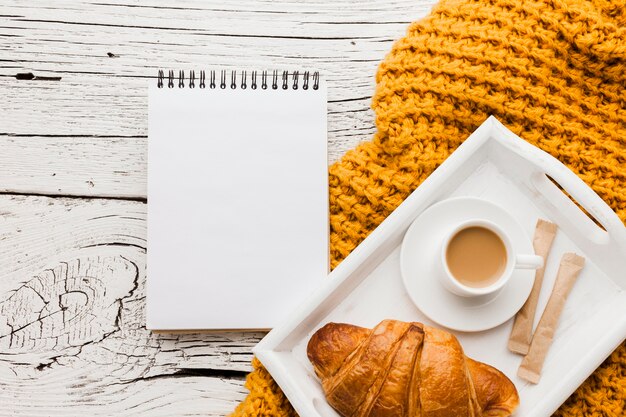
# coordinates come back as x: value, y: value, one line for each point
x: 405, y: 370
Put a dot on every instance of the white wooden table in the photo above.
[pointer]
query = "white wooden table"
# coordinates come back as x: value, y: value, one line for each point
x: 73, y: 185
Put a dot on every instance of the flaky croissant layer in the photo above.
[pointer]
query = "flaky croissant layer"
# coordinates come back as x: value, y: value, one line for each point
x: 405, y: 370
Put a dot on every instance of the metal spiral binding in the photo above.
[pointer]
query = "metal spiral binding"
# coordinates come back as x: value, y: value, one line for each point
x: 275, y: 80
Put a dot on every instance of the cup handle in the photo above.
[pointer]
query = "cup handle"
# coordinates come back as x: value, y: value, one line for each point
x: 528, y: 262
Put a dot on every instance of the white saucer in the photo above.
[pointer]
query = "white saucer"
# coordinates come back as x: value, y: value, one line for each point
x: 421, y: 250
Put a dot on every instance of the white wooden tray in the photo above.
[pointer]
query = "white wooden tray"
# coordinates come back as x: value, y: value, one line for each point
x: 496, y: 165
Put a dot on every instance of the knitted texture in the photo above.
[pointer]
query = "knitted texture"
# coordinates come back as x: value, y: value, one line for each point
x: 553, y: 71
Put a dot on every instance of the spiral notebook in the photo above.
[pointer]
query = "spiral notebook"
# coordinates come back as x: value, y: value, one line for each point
x: 237, y: 197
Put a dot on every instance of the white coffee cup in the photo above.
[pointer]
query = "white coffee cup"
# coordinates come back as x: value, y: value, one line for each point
x: 513, y: 261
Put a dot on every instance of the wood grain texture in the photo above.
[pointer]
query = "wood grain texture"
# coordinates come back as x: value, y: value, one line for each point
x: 73, y: 185
x: 73, y: 310
x: 74, y: 165
x: 106, y: 96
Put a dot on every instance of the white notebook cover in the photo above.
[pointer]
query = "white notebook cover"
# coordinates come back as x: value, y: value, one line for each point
x: 237, y: 205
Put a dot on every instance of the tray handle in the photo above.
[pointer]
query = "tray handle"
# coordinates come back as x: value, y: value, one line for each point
x: 548, y: 167
x: 585, y: 197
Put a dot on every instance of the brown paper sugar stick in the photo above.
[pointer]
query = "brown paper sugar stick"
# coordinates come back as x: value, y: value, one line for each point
x: 570, y: 267
x: 519, y: 341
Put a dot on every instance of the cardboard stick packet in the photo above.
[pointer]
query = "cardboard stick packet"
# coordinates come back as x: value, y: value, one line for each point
x: 521, y: 335
x: 569, y: 269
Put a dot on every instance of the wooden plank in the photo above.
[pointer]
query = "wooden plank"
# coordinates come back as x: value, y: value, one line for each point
x: 74, y: 165
x: 72, y: 308
x: 82, y: 104
x: 115, y: 166
x: 80, y: 389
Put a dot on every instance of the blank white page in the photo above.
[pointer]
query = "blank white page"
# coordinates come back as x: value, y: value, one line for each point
x: 237, y: 205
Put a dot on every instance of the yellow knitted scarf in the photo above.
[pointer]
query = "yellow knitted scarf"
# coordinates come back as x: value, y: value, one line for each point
x: 554, y: 71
